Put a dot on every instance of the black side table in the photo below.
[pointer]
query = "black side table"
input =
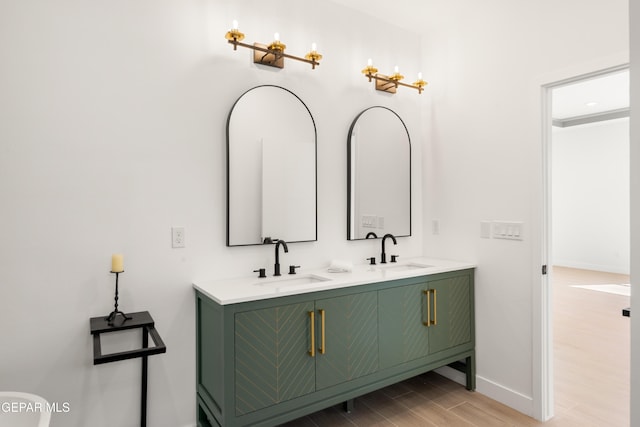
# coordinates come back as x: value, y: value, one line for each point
x: 142, y: 319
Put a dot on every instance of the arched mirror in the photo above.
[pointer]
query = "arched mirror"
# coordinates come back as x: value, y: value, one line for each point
x: 379, y: 175
x: 271, y: 168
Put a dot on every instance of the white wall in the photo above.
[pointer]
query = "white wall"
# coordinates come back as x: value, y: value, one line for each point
x: 590, y: 196
x: 113, y: 130
x: 487, y: 62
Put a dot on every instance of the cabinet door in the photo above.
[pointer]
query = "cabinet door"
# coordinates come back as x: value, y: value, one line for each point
x: 403, y: 335
x: 350, y: 348
x: 272, y: 361
x: 450, y: 301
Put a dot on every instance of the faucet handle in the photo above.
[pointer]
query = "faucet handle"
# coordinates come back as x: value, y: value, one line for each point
x: 394, y: 258
x: 372, y: 260
x: 292, y: 269
x: 262, y: 271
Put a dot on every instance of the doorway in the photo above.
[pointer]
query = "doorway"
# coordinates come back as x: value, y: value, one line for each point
x: 587, y: 247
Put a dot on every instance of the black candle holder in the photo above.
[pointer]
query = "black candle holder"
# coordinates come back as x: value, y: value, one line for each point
x: 112, y: 316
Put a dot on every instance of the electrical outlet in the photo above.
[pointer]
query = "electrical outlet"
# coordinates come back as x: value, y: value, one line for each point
x: 177, y: 237
x: 485, y: 229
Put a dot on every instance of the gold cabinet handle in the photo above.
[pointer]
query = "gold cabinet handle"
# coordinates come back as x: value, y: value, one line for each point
x: 322, y: 347
x: 435, y: 308
x: 312, y: 330
x: 428, y: 322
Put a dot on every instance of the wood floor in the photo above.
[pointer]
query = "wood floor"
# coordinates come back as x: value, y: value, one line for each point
x: 591, y: 349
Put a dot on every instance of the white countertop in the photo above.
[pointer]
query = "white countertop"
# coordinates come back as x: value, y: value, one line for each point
x: 252, y: 288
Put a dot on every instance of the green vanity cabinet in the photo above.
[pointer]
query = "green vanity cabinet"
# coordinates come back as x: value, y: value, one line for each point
x: 265, y: 362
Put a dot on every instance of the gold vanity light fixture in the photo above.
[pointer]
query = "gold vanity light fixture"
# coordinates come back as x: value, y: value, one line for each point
x: 272, y: 54
x: 390, y: 83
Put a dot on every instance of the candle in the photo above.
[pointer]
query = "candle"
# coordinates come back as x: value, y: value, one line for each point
x: 117, y: 263
x: 396, y: 69
x: 369, y: 62
x: 276, y: 37
x: 419, y: 76
x: 234, y: 25
x: 314, y: 47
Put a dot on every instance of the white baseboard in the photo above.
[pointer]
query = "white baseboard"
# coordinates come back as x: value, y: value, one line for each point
x: 511, y: 398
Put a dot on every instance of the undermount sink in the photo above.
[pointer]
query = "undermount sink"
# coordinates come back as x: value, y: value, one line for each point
x: 291, y: 280
x: 403, y: 267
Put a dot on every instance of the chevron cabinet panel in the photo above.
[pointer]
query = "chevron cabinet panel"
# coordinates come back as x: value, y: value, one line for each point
x: 296, y: 369
x: 403, y: 336
x: 351, y: 338
x: 459, y: 312
x: 272, y: 363
x: 452, y: 306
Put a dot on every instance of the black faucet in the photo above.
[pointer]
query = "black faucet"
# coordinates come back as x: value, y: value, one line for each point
x: 372, y: 235
x: 383, y: 255
x: 276, y: 267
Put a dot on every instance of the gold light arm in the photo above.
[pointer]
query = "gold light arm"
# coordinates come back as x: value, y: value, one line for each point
x: 272, y: 54
x: 390, y: 83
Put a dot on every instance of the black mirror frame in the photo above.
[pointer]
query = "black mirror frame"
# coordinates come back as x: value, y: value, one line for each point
x: 315, y: 135
x: 349, y: 172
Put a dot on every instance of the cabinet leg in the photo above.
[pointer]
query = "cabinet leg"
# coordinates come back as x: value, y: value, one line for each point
x: 470, y: 371
x: 348, y: 406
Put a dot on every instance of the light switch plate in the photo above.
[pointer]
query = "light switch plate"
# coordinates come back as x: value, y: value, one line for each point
x: 510, y: 230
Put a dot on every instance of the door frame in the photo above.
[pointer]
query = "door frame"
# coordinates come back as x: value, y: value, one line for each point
x: 543, y: 378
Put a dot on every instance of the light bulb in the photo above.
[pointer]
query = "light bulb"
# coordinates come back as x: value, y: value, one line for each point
x: 234, y: 25
x: 419, y: 76
x: 314, y: 47
x: 276, y: 37
x: 396, y: 69
x: 369, y: 62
